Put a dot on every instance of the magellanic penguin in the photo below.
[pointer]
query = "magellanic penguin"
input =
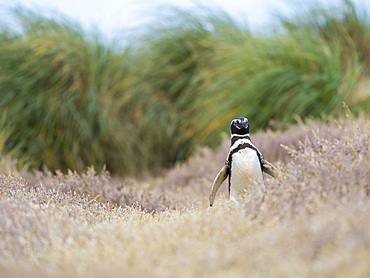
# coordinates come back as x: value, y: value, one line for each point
x: 244, y: 164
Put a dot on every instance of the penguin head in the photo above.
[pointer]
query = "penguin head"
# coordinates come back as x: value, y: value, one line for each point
x: 240, y: 126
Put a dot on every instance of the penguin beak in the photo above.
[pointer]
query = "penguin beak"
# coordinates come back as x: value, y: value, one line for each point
x: 241, y: 124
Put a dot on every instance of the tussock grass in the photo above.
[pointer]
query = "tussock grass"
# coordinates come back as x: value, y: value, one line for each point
x: 345, y: 23
x: 70, y: 99
x: 312, y: 221
x: 62, y: 92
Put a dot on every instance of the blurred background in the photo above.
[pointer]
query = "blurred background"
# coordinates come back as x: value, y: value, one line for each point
x: 138, y: 87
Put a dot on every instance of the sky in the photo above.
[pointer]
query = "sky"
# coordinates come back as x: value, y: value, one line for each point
x: 111, y: 16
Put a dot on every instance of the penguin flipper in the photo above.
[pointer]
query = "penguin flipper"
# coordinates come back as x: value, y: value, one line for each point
x: 268, y: 168
x: 221, y: 176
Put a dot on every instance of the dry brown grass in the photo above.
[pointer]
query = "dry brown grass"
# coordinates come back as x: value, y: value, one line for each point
x: 313, y: 221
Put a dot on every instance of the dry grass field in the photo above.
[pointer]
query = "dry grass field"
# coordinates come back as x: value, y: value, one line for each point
x: 313, y: 221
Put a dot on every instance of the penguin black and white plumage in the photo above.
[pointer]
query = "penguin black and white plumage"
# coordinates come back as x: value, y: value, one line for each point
x: 244, y: 164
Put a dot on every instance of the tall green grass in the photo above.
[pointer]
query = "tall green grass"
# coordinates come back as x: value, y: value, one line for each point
x: 70, y: 99
x: 63, y: 91
x: 345, y: 24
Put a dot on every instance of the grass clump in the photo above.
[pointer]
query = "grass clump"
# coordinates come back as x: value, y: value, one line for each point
x: 57, y: 84
x: 346, y: 24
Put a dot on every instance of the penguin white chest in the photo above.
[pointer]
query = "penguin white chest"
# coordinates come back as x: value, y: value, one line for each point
x: 245, y: 172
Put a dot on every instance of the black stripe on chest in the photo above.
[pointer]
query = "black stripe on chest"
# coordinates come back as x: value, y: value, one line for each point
x: 235, y: 138
x: 242, y: 147
x: 239, y: 148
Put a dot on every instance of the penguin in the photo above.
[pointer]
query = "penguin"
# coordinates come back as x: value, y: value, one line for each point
x: 244, y: 164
